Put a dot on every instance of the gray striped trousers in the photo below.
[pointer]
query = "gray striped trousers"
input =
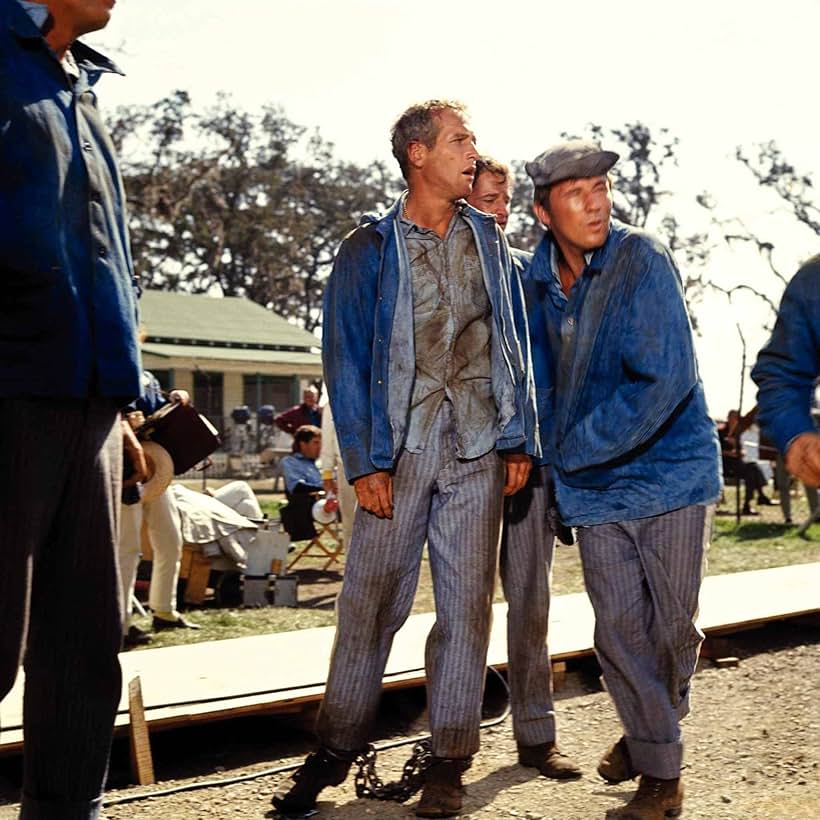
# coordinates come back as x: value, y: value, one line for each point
x: 61, y: 462
x: 643, y: 578
x: 527, y: 545
x: 455, y: 505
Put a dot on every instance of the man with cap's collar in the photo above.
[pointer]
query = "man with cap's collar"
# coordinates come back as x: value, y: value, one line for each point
x: 634, y: 453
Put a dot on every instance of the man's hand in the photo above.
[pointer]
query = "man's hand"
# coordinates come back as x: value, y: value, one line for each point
x: 135, y: 454
x: 375, y: 493
x: 180, y: 397
x: 518, y: 471
x: 803, y: 458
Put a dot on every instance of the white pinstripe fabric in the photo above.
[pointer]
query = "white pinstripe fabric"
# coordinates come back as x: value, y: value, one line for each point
x: 456, y: 507
x: 527, y: 545
x: 643, y: 578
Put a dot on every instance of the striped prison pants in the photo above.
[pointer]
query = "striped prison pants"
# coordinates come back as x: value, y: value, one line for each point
x: 455, y: 506
x: 643, y: 578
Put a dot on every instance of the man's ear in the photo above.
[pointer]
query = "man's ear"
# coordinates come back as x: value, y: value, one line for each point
x: 541, y: 214
x: 416, y: 154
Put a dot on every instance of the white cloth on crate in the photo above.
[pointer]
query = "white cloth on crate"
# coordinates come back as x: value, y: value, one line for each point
x: 211, y: 523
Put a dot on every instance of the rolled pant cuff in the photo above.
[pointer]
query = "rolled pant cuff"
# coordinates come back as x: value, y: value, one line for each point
x: 455, y: 744
x: 534, y: 732
x: 661, y: 760
x: 33, y: 809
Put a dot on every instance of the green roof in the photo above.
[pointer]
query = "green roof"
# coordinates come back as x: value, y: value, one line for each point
x: 228, y: 322
x: 231, y: 354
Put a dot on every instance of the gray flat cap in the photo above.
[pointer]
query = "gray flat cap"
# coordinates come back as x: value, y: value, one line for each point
x: 574, y: 159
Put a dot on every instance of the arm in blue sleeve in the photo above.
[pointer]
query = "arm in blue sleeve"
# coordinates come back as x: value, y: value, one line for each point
x: 659, y: 371
x: 521, y: 433
x: 347, y: 345
x: 789, y: 364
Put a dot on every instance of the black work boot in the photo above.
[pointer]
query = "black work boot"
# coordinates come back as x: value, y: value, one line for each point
x: 442, y: 788
x: 322, y: 768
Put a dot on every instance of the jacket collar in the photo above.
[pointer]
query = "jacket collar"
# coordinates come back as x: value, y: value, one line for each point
x: 384, y: 222
x: 23, y: 26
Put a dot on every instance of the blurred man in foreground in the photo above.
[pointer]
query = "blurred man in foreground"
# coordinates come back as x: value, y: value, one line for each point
x: 68, y: 362
x: 787, y: 373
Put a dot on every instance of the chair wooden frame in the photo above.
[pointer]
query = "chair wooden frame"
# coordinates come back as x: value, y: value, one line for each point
x: 316, y: 548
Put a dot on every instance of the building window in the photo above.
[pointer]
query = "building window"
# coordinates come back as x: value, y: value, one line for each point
x: 208, y: 396
x: 165, y: 378
x: 259, y: 389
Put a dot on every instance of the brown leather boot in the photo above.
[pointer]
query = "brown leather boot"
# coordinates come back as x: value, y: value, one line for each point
x: 324, y: 767
x: 616, y: 765
x: 442, y: 788
x: 549, y: 760
x: 655, y: 799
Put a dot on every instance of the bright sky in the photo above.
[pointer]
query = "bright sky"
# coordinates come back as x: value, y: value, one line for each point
x: 716, y: 73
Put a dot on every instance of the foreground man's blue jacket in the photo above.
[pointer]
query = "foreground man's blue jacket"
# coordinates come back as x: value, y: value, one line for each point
x: 789, y: 364
x: 67, y: 306
x: 368, y: 343
x: 620, y: 403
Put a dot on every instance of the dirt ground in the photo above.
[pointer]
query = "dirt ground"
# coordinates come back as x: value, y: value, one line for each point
x: 752, y: 741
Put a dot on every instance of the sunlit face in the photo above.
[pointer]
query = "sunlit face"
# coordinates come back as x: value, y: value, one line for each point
x: 449, y: 165
x: 310, y: 397
x: 579, y: 212
x: 81, y: 16
x: 311, y: 449
x: 492, y: 193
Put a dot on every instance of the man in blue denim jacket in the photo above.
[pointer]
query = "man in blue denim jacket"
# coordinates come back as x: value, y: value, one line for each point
x: 68, y: 362
x: 633, y: 450
x: 787, y: 373
x: 425, y: 355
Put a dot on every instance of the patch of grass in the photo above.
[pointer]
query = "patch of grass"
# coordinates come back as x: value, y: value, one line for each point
x: 270, y: 505
x: 220, y: 624
x: 759, y: 545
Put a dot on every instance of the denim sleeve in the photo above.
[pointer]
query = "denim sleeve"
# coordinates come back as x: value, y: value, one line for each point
x: 526, y: 389
x: 521, y: 432
x: 347, y: 345
x: 658, y: 370
x: 788, y: 365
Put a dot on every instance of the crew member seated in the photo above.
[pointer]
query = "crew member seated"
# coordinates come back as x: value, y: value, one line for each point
x: 734, y: 466
x: 302, y: 482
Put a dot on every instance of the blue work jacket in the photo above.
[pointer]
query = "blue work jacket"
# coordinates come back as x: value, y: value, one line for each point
x: 368, y: 347
x: 68, y: 314
x: 621, y: 406
x: 789, y: 365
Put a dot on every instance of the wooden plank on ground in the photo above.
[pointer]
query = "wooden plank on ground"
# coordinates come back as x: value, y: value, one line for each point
x: 285, y: 671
